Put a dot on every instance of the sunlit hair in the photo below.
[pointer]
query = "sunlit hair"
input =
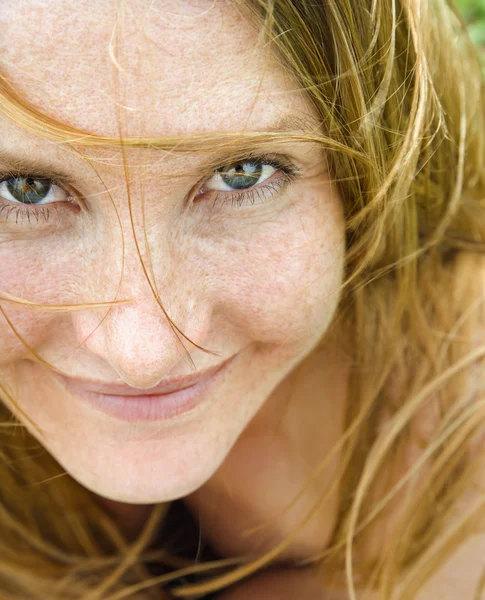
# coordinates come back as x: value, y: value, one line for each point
x: 398, y: 89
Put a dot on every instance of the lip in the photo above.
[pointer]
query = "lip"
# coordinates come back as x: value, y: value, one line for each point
x: 166, y: 386
x: 172, y: 397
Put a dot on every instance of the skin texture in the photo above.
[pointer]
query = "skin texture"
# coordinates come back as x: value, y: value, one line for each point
x: 260, y: 283
x: 257, y: 282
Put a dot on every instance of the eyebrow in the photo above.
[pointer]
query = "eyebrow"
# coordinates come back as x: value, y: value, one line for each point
x: 34, y: 167
x: 293, y: 122
x: 38, y: 167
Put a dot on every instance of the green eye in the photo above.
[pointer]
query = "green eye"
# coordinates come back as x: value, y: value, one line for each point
x: 249, y: 181
x: 31, y: 191
x: 240, y: 176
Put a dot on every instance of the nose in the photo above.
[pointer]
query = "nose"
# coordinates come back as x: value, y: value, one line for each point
x: 136, y: 339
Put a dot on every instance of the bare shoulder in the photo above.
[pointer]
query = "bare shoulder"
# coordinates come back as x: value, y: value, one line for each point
x: 460, y: 576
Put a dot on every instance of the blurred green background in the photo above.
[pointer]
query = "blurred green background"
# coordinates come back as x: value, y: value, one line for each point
x: 473, y: 12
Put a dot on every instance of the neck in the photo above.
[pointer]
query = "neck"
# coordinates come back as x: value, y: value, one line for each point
x: 130, y: 518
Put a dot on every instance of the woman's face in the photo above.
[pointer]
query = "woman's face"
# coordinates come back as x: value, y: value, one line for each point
x: 247, y: 262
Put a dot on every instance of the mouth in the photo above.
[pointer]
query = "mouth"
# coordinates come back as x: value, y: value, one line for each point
x: 171, y: 398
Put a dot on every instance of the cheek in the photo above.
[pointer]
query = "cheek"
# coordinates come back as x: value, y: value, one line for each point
x: 272, y: 278
x: 19, y: 330
x: 40, y: 272
x: 280, y: 282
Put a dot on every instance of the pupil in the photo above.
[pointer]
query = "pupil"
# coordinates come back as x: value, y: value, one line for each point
x: 242, y: 176
x: 28, y: 190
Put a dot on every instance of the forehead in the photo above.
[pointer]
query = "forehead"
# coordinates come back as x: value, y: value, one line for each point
x: 164, y: 67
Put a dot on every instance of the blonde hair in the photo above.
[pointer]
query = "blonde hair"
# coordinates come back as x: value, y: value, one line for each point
x: 399, y: 91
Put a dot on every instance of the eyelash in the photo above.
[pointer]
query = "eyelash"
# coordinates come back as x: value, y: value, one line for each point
x: 285, y: 173
x: 39, y: 213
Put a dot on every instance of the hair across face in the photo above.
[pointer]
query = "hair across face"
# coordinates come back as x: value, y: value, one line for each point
x: 247, y: 259
x: 150, y: 256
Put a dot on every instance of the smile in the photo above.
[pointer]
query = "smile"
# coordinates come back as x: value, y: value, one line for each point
x: 171, y: 398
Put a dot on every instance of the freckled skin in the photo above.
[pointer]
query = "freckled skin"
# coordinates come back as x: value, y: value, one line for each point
x: 261, y: 281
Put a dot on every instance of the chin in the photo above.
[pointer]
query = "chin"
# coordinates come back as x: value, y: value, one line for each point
x: 147, y: 494
x: 147, y: 473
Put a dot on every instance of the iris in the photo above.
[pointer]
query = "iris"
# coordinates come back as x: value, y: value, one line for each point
x: 241, y: 176
x: 28, y: 190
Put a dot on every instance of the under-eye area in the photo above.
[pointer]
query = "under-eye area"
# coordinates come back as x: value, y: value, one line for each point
x: 241, y: 300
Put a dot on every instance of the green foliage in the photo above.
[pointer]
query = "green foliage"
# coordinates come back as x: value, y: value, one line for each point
x: 473, y: 12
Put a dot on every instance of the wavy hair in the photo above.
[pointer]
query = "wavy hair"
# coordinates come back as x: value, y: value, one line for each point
x: 399, y: 92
